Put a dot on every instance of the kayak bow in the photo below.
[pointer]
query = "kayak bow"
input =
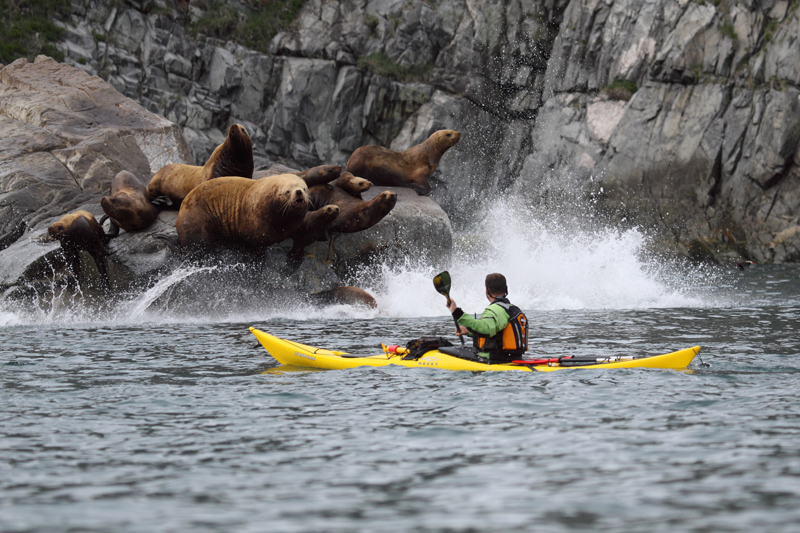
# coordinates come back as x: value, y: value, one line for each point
x: 295, y: 354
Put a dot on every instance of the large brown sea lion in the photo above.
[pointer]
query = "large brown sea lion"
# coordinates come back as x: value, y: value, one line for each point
x: 354, y: 214
x: 242, y: 213
x: 409, y: 168
x: 234, y: 157
x: 80, y: 231
x: 313, y: 176
x: 128, y: 205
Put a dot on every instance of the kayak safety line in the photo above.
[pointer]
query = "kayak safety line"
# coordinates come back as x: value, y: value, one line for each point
x: 570, y: 360
x: 299, y: 346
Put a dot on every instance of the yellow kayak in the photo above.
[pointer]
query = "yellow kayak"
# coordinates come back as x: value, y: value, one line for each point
x: 296, y: 354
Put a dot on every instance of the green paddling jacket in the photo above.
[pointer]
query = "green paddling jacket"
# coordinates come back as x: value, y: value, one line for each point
x: 493, y: 321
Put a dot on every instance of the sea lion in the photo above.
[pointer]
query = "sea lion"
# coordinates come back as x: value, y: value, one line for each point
x: 345, y: 295
x: 234, y: 157
x: 80, y: 231
x: 409, y: 168
x: 354, y: 214
x: 314, y: 228
x: 352, y: 185
x: 128, y: 205
x: 242, y: 213
x: 313, y: 176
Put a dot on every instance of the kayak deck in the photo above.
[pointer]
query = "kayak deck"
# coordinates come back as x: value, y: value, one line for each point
x: 296, y: 354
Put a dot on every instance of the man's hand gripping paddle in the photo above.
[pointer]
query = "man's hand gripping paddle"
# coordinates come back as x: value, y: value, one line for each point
x: 441, y: 282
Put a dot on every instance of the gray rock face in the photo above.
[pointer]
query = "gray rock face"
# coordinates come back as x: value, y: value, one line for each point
x: 705, y: 150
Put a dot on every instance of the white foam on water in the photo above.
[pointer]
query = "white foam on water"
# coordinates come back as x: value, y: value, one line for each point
x: 547, y: 267
x: 8, y: 318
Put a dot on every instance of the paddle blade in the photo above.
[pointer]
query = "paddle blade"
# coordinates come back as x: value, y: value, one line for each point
x: 441, y: 282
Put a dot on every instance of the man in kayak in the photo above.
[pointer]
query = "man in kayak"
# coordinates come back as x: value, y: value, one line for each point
x: 489, y: 335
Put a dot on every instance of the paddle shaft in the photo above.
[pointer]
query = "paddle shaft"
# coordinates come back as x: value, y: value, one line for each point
x: 460, y: 337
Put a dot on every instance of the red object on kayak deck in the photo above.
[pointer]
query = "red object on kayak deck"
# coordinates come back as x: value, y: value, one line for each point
x: 535, y: 361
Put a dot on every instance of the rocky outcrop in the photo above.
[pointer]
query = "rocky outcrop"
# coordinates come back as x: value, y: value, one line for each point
x: 68, y: 134
x: 705, y: 151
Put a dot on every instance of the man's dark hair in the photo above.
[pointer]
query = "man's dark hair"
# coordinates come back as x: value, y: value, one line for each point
x: 496, y: 284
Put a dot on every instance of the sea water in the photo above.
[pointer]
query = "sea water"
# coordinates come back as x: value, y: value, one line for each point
x: 141, y: 418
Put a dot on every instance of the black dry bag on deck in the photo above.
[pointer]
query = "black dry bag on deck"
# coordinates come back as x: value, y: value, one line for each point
x: 419, y: 347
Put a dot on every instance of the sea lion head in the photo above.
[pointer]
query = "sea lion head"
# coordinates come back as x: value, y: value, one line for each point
x: 234, y: 157
x: 352, y: 184
x: 238, y: 136
x: 128, y: 205
x: 287, y: 194
x: 57, y: 229
x: 60, y: 228
x: 80, y: 224
x: 121, y: 207
x: 444, y: 139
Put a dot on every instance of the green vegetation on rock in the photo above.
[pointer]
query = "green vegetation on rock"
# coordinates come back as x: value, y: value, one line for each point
x: 255, y: 29
x: 371, y: 21
x: 769, y: 30
x: 729, y: 31
x: 380, y: 63
x: 621, y: 90
x: 28, y: 29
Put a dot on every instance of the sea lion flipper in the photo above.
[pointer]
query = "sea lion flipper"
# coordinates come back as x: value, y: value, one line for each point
x: 161, y: 201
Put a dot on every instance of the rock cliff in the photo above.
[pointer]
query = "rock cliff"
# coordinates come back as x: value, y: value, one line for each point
x: 679, y: 115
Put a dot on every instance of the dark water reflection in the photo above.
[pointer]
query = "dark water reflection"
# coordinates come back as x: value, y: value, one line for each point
x: 179, y: 427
